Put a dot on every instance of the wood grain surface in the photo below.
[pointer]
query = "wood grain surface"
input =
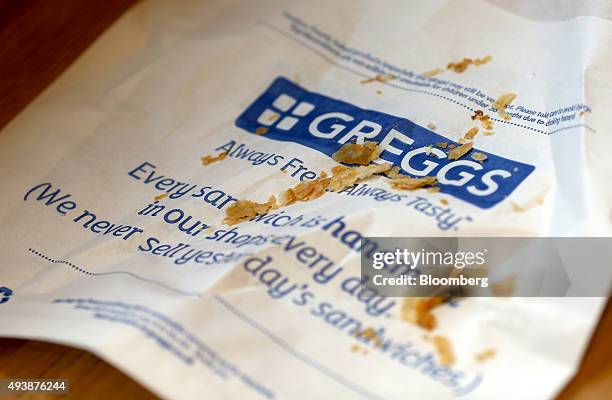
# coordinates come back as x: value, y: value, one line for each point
x: 38, y: 40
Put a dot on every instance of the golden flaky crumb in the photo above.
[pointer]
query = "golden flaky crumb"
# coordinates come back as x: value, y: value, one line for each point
x: 434, y: 189
x: 207, y: 160
x: 342, y: 178
x: 160, y: 196
x: 484, y: 355
x: 432, y: 73
x: 477, y: 114
x: 353, y: 153
x: 480, y: 157
x: 458, y: 152
x: 431, y: 126
x: 379, y: 78
x: 409, y: 183
x: 471, y: 133
x: 244, y: 210
x: 501, y: 103
x: 306, y: 191
x: 462, y: 65
x: 262, y: 130
x: 442, y: 145
x: 417, y: 310
x: 370, y: 335
x: 444, y: 202
x: 488, y: 133
x: 481, y: 61
x: 403, y: 182
x: 444, y: 349
x: 485, y: 121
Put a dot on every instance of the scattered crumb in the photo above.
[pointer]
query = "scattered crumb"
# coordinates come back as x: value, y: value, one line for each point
x: 462, y: 65
x: 243, y: 210
x: 501, y: 103
x: 452, y: 146
x: 160, y: 196
x: 504, y: 114
x: 470, y: 134
x: 431, y: 126
x: 488, y: 133
x: 477, y: 114
x: 481, y: 61
x: 379, y: 92
x: 445, y: 350
x: 433, y: 72
x: 504, y: 288
x: 262, y: 130
x: 442, y: 145
x: 379, y: 78
x: 207, y: 160
x: 409, y: 183
x: 353, y: 153
x: 485, y: 121
x: 358, y: 349
x: 457, y: 153
x: 480, y: 157
x: 342, y: 177
x: 444, y: 202
x: 306, y: 191
x: 417, y: 310
x: 485, y: 355
x: 434, y: 189
x: 369, y: 334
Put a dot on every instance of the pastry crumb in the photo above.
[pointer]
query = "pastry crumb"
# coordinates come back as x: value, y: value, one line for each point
x: 244, y: 210
x: 485, y: 355
x: 370, y: 335
x: 501, y: 103
x: 458, y: 152
x: 207, y: 160
x: 379, y: 78
x: 431, y: 126
x: 353, y: 153
x: 409, y: 183
x: 262, y: 130
x: 471, y: 133
x: 160, y: 196
x: 432, y: 73
x: 444, y: 349
x: 480, y: 157
x: 417, y: 310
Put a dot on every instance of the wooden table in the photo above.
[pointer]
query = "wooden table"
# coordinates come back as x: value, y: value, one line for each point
x: 38, y: 40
